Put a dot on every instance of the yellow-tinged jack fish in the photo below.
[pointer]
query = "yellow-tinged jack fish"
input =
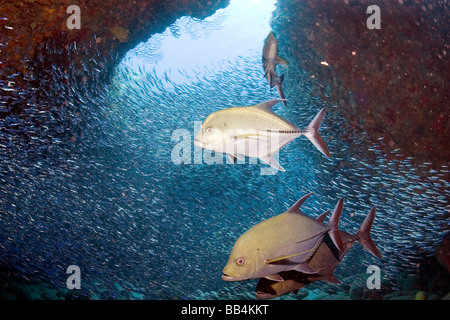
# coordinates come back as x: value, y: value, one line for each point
x: 255, y: 131
x: 282, y: 243
x: 270, y: 60
x: 324, y: 261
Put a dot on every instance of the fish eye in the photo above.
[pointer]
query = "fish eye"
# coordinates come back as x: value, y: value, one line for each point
x: 240, y: 261
x: 208, y: 130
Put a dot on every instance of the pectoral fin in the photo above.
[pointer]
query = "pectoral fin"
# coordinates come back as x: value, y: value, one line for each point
x: 285, y: 259
x: 280, y: 60
x: 305, y: 268
x: 253, y: 135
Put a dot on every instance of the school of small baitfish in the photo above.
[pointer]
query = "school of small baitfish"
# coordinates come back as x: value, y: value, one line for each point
x: 290, y: 250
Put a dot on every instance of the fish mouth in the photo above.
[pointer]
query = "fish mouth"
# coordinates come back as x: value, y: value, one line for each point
x: 198, y: 143
x: 227, y: 277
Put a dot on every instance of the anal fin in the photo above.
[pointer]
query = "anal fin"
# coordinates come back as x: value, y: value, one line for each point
x: 270, y: 160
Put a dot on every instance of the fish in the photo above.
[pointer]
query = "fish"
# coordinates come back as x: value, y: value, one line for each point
x: 255, y: 131
x: 281, y: 243
x: 279, y: 87
x: 324, y: 261
x: 270, y: 60
x: 293, y: 281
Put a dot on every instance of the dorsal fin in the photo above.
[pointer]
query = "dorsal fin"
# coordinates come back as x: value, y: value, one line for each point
x: 334, y: 233
x: 296, y: 207
x: 322, y: 217
x: 268, y: 104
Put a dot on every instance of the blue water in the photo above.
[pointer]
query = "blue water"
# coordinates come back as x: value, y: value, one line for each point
x: 139, y: 225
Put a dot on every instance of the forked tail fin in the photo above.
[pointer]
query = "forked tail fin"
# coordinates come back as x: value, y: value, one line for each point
x: 271, y: 77
x: 312, y: 132
x: 279, y: 87
x: 363, y: 234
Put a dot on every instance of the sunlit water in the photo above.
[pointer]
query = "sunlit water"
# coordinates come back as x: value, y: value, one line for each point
x: 141, y: 226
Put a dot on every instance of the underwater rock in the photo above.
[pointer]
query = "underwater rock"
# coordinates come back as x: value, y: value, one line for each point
x: 413, y: 295
x: 86, y: 53
x: 432, y: 277
x: 443, y: 252
x: 421, y: 295
x: 391, y: 82
x: 120, y: 33
x: 339, y: 296
x: 399, y: 296
x: 359, y: 291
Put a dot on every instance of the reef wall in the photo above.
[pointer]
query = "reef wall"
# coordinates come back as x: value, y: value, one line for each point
x: 42, y: 52
x: 392, y: 82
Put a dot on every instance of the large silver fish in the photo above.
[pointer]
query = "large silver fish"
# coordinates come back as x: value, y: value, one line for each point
x: 270, y: 60
x: 255, y: 131
x: 282, y: 243
x: 324, y: 261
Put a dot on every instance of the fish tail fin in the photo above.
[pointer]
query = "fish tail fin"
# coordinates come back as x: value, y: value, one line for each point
x: 334, y: 233
x: 363, y: 235
x: 312, y: 132
x: 272, y: 78
x: 279, y: 87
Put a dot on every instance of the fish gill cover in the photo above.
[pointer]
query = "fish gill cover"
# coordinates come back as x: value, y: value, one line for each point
x: 94, y: 183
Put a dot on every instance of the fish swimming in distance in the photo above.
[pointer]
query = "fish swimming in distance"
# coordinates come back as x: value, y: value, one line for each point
x: 279, y: 87
x: 282, y: 243
x: 270, y: 60
x: 255, y: 131
x: 324, y: 261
